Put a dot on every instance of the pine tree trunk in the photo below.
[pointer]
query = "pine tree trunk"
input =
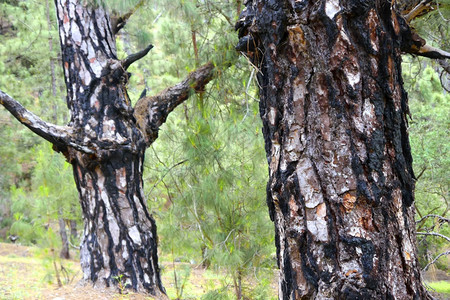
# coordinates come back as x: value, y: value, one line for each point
x: 119, y: 240
x: 105, y: 141
x: 119, y: 236
x: 341, y: 182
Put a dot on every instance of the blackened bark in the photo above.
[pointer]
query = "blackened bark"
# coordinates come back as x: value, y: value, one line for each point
x: 152, y: 112
x: 341, y: 182
x: 105, y: 141
x: 119, y: 239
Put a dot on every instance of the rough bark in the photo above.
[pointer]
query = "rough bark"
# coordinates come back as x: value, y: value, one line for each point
x: 334, y: 111
x: 119, y: 238
x: 105, y: 141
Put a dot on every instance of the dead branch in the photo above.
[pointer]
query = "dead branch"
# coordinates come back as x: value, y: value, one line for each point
x: 135, y: 57
x: 433, y: 216
x: 420, y: 9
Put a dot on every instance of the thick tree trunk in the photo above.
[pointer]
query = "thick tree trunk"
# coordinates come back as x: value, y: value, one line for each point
x: 119, y: 236
x: 119, y: 239
x: 341, y: 182
x: 105, y: 141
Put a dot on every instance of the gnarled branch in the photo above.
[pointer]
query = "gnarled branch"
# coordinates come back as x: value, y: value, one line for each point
x: 151, y: 112
x: 60, y: 136
x: 412, y: 43
x: 431, y: 52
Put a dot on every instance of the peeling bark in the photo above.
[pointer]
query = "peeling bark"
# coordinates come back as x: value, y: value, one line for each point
x: 340, y: 189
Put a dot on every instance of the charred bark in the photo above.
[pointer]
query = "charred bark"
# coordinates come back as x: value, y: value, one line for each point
x: 105, y: 141
x: 341, y: 183
x: 119, y: 238
x: 119, y: 235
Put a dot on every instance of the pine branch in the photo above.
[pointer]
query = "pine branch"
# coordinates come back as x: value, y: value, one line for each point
x: 431, y: 52
x: 433, y: 216
x: 414, y: 44
x: 58, y: 135
x: 151, y: 112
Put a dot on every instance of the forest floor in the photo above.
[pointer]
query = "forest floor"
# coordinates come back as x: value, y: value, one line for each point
x: 28, y: 273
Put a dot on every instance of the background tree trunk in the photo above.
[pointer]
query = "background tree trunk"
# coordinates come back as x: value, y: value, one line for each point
x: 73, y: 231
x: 63, y: 234
x: 341, y: 182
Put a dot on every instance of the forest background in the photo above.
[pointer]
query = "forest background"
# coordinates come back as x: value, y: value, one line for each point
x: 205, y: 176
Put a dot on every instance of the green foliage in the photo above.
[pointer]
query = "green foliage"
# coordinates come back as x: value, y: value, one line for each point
x: 428, y: 86
x: 26, y: 48
x: 429, y: 141
x: 25, y: 75
x: 52, y: 195
x: 429, y: 128
x: 214, y: 201
x: 218, y: 294
x: 206, y: 173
